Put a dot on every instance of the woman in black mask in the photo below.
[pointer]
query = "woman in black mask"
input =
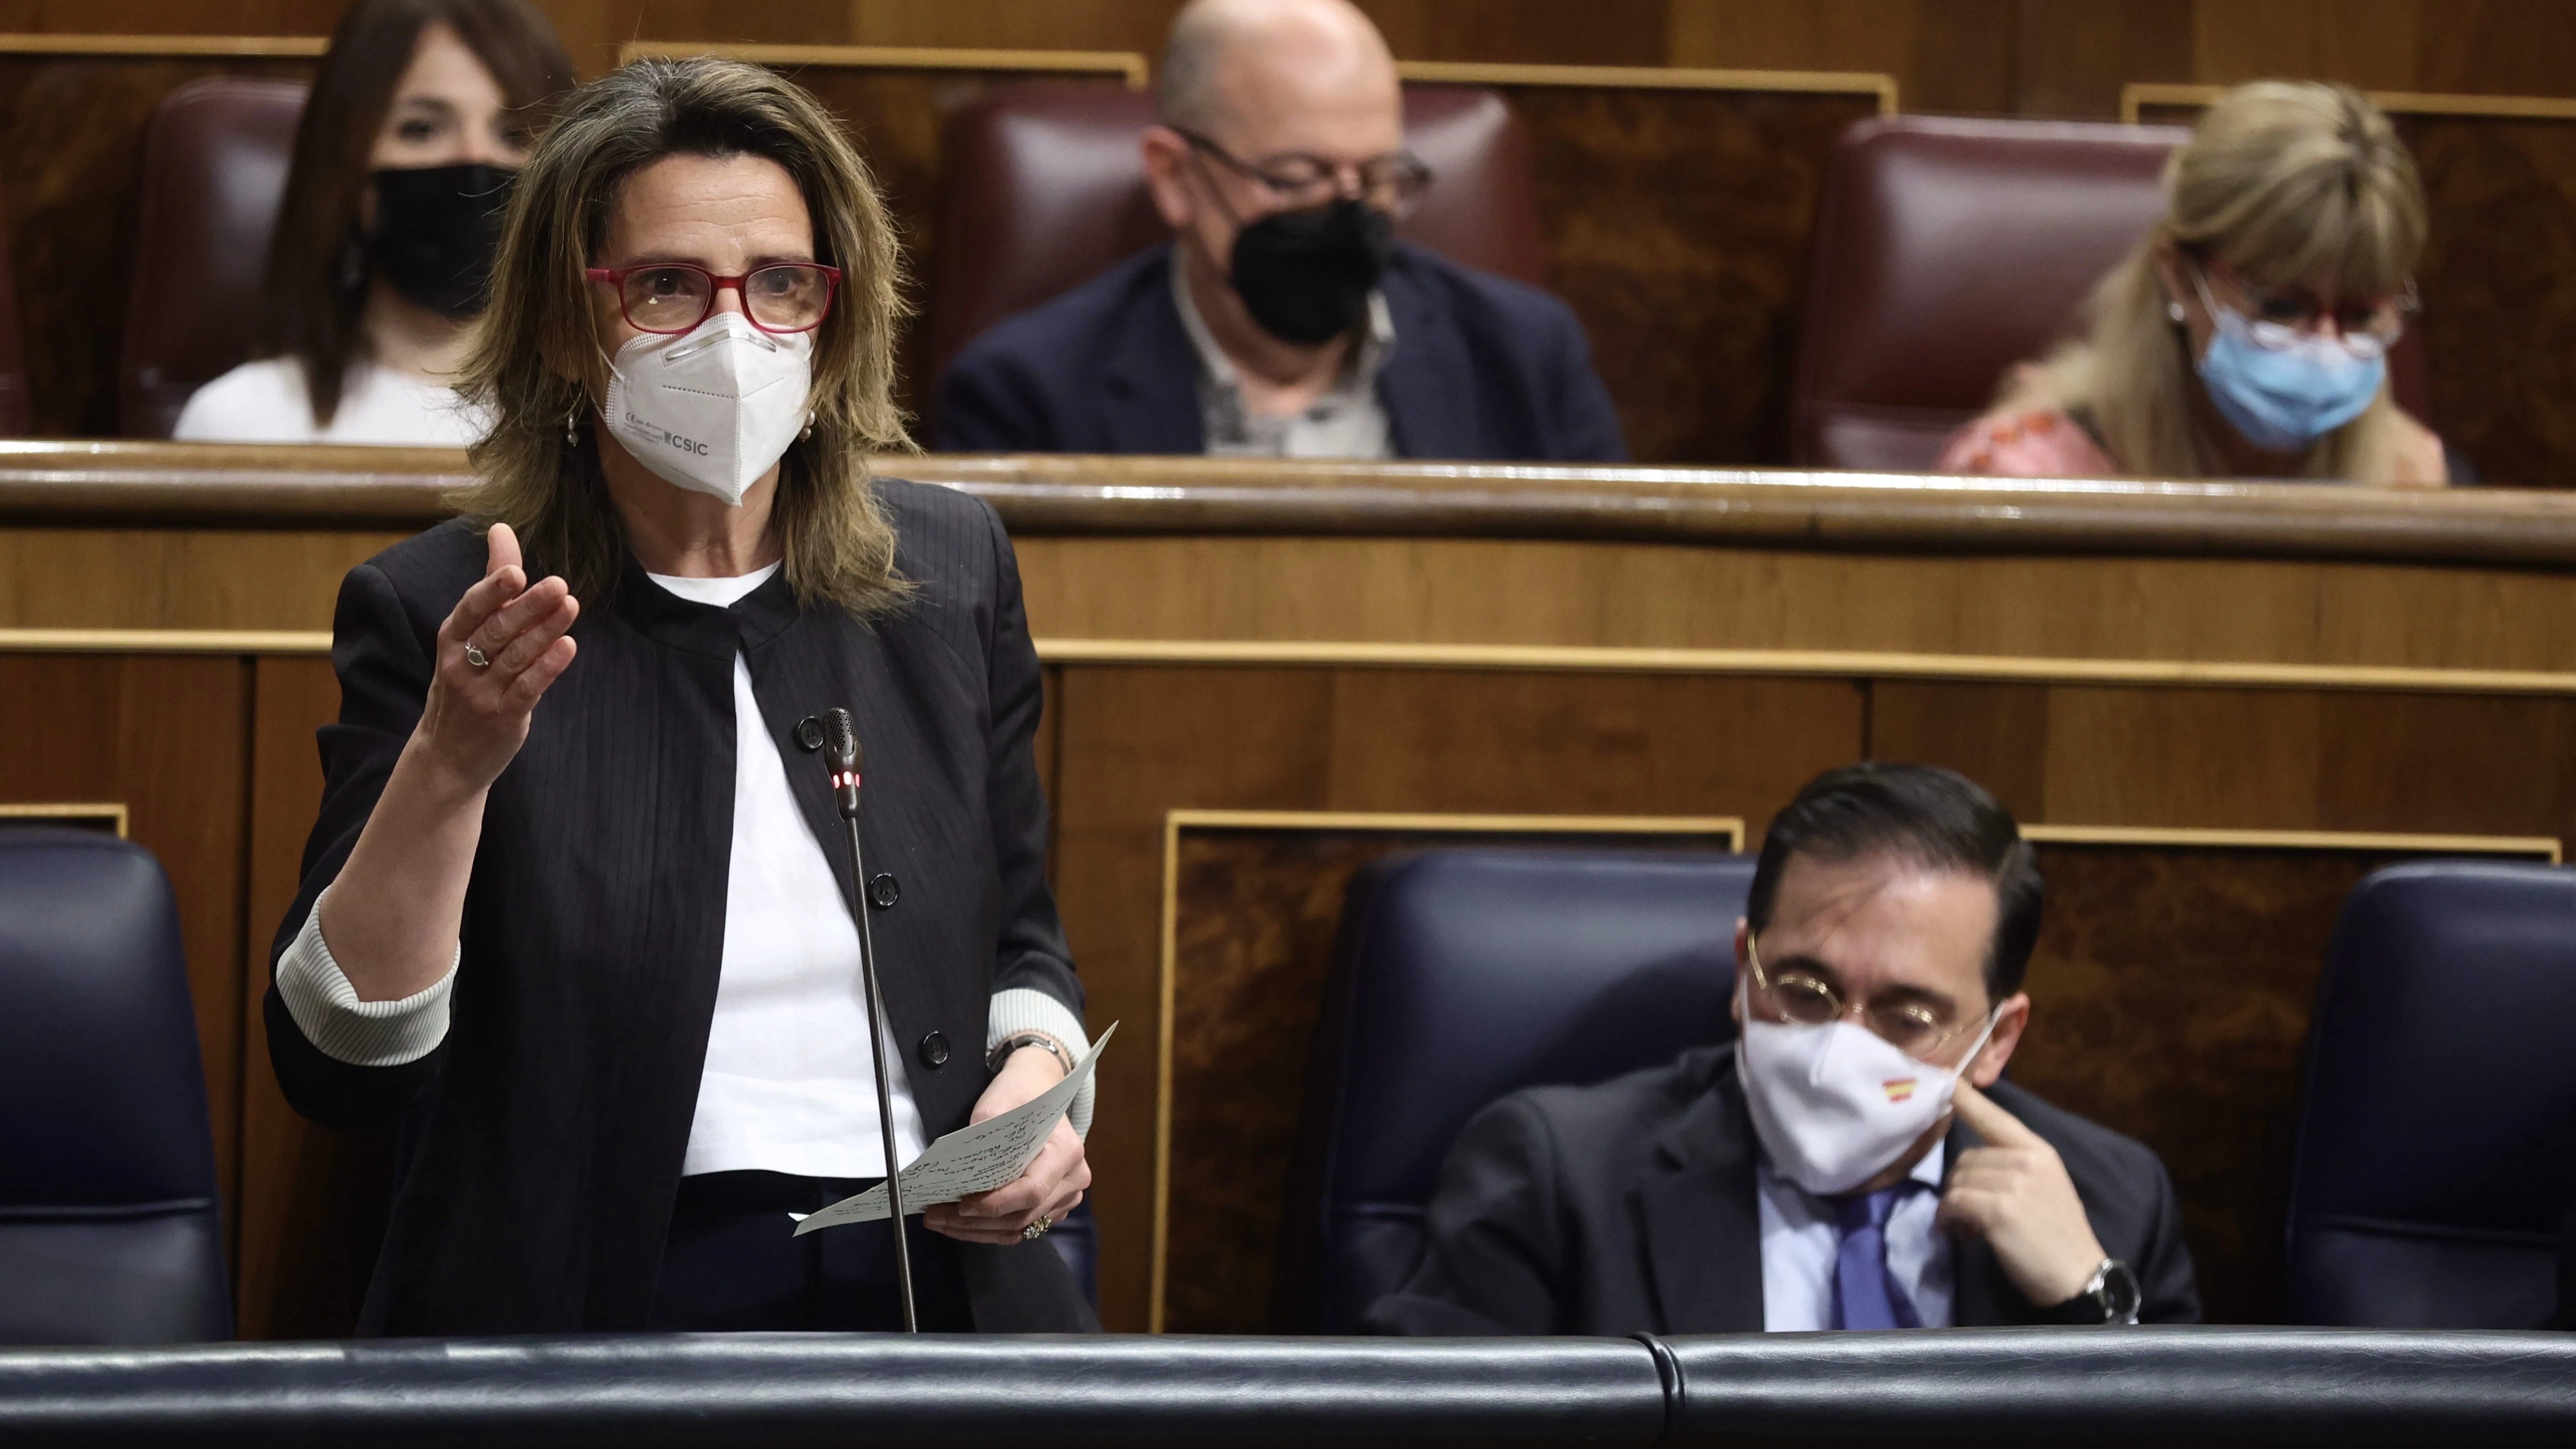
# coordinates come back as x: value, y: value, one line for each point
x: 420, y: 118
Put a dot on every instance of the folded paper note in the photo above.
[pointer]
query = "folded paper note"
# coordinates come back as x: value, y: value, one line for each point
x: 990, y: 1154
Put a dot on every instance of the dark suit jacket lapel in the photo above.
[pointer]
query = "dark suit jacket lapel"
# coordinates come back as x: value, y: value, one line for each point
x: 1699, y: 1221
x: 1150, y: 395
x: 1428, y: 385
x: 1980, y: 1295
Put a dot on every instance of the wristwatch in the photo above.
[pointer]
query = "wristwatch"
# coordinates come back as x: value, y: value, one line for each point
x: 2109, y: 1296
x: 1002, y: 1050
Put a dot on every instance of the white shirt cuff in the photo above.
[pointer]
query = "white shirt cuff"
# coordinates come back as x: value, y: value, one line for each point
x: 1024, y: 1008
x: 361, y: 1033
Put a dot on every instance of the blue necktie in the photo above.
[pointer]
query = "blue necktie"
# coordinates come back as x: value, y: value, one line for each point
x: 1865, y: 1292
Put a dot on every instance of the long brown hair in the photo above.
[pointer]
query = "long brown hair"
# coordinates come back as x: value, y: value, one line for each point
x: 538, y: 368
x: 316, y: 281
x: 2285, y: 182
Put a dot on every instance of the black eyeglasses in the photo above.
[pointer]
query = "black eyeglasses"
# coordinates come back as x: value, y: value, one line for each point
x: 1392, y: 183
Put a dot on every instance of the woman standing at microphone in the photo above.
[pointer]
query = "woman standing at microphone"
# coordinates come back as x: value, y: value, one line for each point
x: 568, y: 907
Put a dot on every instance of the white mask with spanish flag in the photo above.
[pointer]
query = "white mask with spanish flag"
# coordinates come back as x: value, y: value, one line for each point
x: 1836, y: 1105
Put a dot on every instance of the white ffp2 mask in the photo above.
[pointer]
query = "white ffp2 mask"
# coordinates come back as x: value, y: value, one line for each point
x: 1836, y: 1105
x: 714, y: 407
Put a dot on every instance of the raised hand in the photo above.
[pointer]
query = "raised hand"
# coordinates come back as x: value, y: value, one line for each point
x: 476, y: 717
x: 2014, y: 1193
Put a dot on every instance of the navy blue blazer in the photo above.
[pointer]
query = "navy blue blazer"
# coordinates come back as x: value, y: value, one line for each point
x: 1482, y: 368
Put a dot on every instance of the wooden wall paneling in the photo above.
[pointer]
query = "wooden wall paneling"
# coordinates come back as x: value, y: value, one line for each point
x: 1252, y: 904
x: 2494, y: 47
x: 1583, y: 744
x: 2366, y: 43
x: 1136, y: 25
x: 2499, y: 317
x: 1608, y: 32
x: 2498, y: 279
x: 72, y: 122
x: 2471, y: 763
x: 897, y: 105
x: 155, y: 578
x: 1135, y: 744
x: 2071, y: 60
x: 163, y: 736
x: 1946, y: 55
x: 1138, y: 742
x: 1535, y: 593
x: 2171, y: 993
x: 1678, y: 209
x: 311, y: 1197
x: 2246, y: 758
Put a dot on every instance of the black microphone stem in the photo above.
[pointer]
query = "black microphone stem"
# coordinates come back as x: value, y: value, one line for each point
x: 877, y: 1039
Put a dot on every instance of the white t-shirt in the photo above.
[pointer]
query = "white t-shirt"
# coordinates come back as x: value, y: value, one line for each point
x: 265, y: 402
x: 789, y: 1084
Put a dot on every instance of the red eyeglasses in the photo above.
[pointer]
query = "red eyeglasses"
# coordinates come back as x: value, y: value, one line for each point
x: 673, y: 297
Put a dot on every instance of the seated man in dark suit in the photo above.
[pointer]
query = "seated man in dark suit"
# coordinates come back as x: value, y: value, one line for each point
x: 1283, y: 320
x: 1853, y: 1160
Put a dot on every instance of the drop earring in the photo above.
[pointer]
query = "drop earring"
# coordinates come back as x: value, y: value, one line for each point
x: 572, y: 435
x: 808, y: 433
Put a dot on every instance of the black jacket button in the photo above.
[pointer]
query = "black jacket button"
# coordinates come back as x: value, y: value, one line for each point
x: 884, y: 891
x: 934, y: 1047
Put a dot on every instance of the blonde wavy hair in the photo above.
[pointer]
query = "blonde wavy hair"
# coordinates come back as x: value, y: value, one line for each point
x: 538, y: 365
x: 2287, y: 183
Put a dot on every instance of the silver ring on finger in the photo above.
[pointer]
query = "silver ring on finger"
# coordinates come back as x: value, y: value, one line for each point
x: 1036, y: 1230
x: 477, y: 657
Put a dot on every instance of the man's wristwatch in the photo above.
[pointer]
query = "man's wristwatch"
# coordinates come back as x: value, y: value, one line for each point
x: 2110, y: 1296
x: 1002, y: 1050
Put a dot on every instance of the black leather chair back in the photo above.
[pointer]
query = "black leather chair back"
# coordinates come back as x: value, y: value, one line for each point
x: 109, y: 1230
x: 2434, y: 1153
x: 1462, y: 975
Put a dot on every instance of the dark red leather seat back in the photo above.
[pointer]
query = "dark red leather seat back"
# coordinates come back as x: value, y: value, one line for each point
x: 214, y: 168
x: 17, y: 413
x: 1045, y: 189
x: 1949, y: 250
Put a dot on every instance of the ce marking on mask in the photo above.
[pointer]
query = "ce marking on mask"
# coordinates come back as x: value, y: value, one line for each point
x: 644, y: 432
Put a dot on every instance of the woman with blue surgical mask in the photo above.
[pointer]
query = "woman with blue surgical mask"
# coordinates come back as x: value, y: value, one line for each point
x: 2248, y: 334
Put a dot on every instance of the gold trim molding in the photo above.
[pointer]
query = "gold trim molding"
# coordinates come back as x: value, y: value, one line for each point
x: 1648, y: 77
x: 2537, y: 847
x: 113, y: 811
x: 236, y: 47
x: 1874, y: 664
x: 165, y: 641
x: 1727, y: 827
x: 1536, y: 658
x: 2138, y: 95
x: 1126, y: 65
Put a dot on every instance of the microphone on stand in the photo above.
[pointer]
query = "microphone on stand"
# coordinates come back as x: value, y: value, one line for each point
x: 841, y: 754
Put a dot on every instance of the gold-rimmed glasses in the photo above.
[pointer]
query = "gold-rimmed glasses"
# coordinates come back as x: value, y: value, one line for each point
x: 1809, y: 999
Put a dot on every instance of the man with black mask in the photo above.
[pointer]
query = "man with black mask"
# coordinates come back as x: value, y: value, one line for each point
x: 1284, y: 319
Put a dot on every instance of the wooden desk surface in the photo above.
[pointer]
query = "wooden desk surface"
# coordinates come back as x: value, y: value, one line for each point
x: 161, y: 485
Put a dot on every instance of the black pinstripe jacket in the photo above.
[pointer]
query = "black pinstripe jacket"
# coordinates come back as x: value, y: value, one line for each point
x: 547, y: 1130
